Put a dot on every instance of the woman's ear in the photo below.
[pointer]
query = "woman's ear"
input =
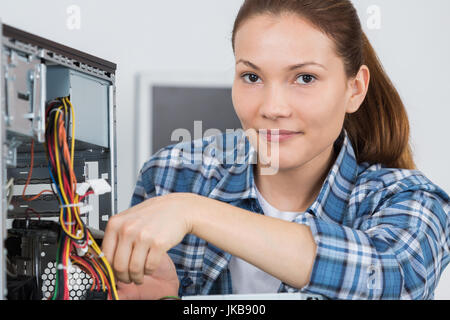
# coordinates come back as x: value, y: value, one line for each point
x: 358, y: 86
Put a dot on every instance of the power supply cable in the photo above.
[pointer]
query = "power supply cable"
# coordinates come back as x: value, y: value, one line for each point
x: 76, y: 244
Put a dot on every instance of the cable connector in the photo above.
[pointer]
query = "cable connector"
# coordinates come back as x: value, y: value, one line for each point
x: 99, y: 186
x: 82, y: 250
x: 82, y: 188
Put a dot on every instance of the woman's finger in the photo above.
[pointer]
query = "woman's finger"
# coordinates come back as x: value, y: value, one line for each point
x: 153, y: 260
x: 110, y: 238
x: 122, y: 258
x: 137, y: 262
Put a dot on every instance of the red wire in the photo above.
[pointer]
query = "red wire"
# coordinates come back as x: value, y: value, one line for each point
x: 69, y: 186
x: 34, y: 211
x: 65, y: 150
x: 90, y: 270
x: 66, y: 252
x: 85, y: 195
x: 49, y: 108
x: 51, y: 152
x: 68, y: 191
x: 66, y: 288
x: 104, y: 275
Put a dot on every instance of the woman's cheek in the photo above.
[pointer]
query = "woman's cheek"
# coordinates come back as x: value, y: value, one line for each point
x: 314, y: 108
x: 236, y: 97
x: 245, y: 106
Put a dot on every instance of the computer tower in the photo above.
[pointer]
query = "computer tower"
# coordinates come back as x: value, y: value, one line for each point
x: 35, y: 71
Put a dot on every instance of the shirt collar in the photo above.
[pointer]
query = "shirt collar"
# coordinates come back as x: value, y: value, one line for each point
x: 238, y: 183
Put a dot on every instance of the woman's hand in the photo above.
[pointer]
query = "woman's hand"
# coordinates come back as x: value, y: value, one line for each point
x: 163, y: 282
x: 137, y: 239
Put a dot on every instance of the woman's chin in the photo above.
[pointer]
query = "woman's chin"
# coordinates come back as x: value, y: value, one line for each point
x: 281, y: 163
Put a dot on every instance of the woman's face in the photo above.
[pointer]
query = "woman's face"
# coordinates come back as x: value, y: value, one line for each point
x: 288, y: 77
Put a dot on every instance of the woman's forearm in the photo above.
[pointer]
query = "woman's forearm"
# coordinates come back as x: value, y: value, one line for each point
x: 283, y: 249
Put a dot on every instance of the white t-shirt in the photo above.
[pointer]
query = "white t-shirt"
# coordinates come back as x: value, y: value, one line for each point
x: 247, y: 278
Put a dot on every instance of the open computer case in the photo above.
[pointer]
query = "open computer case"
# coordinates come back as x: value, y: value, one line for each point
x: 46, y: 90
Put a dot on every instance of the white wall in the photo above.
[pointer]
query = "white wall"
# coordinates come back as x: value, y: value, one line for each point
x: 184, y: 36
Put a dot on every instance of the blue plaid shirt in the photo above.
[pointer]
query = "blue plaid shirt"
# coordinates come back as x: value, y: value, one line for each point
x: 381, y: 233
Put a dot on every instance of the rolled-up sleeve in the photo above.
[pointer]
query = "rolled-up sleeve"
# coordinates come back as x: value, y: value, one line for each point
x: 396, y: 252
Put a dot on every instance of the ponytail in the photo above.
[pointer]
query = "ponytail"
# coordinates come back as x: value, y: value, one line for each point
x: 379, y: 130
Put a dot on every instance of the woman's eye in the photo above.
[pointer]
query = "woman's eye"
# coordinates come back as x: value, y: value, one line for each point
x: 306, y: 79
x: 250, y: 78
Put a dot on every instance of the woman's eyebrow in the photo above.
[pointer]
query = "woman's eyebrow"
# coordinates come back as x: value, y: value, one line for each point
x: 290, y: 68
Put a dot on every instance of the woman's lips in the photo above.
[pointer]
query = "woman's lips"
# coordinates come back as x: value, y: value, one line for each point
x: 278, y: 135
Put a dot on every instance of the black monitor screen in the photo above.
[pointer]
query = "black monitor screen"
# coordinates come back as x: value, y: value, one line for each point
x: 178, y: 107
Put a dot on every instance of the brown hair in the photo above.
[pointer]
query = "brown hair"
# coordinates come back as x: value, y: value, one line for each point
x: 379, y: 130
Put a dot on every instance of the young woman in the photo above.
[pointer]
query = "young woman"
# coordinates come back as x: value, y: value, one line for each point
x: 346, y: 214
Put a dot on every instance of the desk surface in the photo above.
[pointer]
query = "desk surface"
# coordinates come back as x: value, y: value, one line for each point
x: 260, y: 296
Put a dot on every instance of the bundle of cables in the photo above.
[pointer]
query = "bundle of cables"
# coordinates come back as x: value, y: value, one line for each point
x: 76, y: 243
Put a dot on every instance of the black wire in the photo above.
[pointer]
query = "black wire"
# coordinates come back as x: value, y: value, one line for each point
x: 107, y: 275
x: 59, y: 273
x: 108, y: 279
x: 66, y: 116
x: 66, y: 166
x: 51, y: 131
x: 91, y: 264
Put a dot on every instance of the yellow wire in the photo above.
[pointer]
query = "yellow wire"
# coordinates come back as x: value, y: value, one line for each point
x: 94, y: 245
x: 67, y: 259
x: 64, y: 99
x: 106, y: 263
x: 73, y: 131
x: 72, y: 151
x: 62, y: 188
x: 100, y: 272
x: 97, y: 250
x: 59, y: 175
x: 103, y: 267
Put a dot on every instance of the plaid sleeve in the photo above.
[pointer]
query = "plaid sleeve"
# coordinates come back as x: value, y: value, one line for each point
x: 398, y: 252
x: 144, y: 187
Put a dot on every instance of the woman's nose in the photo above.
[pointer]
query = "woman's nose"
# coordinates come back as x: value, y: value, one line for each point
x: 275, y: 104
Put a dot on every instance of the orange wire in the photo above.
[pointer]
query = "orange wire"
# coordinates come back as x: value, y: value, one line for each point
x: 95, y: 279
x: 101, y: 273
x: 66, y: 153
